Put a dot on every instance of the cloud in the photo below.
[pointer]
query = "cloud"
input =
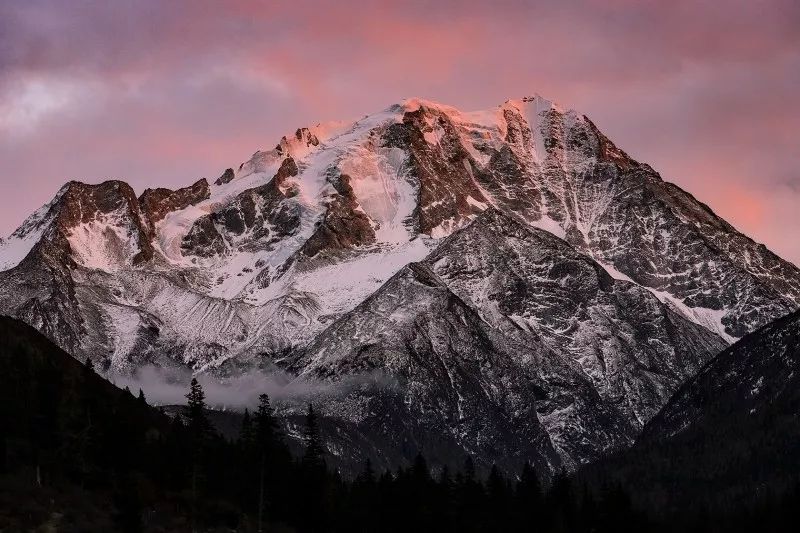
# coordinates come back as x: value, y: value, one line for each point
x: 168, y: 386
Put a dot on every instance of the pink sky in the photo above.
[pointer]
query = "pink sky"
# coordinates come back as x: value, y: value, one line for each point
x: 163, y: 93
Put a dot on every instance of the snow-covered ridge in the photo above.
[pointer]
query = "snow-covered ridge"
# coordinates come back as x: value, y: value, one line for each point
x: 380, y: 192
x: 18, y: 245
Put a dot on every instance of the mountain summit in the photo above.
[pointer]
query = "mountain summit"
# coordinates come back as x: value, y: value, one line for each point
x: 516, y: 275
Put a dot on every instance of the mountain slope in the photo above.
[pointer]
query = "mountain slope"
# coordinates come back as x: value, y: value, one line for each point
x: 728, y: 437
x: 508, y: 339
x: 68, y: 436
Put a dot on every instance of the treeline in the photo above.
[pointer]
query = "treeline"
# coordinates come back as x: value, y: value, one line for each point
x: 78, y: 454
x: 306, y: 495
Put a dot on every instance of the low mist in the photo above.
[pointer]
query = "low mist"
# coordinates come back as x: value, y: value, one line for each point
x: 168, y: 386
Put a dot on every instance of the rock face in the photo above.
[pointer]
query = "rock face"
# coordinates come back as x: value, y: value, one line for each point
x: 757, y: 374
x: 727, y: 437
x: 554, y: 267
x: 510, y: 341
x: 157, y: 203
x: 260, y: 214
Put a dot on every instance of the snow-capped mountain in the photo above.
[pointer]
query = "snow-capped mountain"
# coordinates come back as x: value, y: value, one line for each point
x: 519, y: 276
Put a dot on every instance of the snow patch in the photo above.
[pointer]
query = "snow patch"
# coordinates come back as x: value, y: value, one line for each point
x: 14, y: 249
x: 108, y: 243
x: 383, y: 189
x: 341, y: 286
x: 711, y: 319
x: 549, y: 225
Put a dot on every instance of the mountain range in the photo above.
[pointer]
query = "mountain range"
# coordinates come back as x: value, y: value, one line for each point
x: 506, y: 283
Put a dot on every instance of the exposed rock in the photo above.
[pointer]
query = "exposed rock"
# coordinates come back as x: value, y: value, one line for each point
x: 260, y: 212
x: 507, y: 330
x: 83, y: 204
x: 342, y: 226
x: 731, y: 431
x: 156, y: 203
x: 226, y: 177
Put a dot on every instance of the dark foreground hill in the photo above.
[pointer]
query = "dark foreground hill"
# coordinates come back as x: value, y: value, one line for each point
x: 725, y: 451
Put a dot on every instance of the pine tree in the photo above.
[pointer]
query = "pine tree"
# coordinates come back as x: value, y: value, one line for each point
x: 469, y: 496
x: 446, y: 502
x: 497, y: 490
x: 469, y: 469
x: 444, y: 478
x: 561, y: 504
x: 420, y: 471
x: 367, y: 476
x: 246, y: 433
x: 141, y: 398
x: 267, y: 431
x: 195, y: 412
x: 315, y: 452
x: 199, y: 428
x: 314, y: 473
x: 528, y: 496
x: 496, y: 484
x: 267, y: 436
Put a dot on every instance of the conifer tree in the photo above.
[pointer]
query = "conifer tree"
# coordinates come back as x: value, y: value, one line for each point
x: 528, y: 495
x: 420, y: 469
x: 266, y: 441
x: 469, y: 470
x: 267, y: 432
x: 497, y: 492
x: 246, y: 434
x: 496, y: 484
x: 315, y: 452
x: 198, y: 431
x: 315, y: 473
x: 367, y: 476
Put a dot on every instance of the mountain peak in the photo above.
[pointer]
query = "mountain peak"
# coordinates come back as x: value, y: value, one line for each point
x: 373, y: 195
x: 537, y: 102
x: 409, y: 105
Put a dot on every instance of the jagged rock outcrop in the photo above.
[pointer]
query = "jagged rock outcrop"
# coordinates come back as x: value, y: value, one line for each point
x: 156, y: 203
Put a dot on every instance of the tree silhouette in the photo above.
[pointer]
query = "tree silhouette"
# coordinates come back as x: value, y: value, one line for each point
x: 315, y: 451
x: 267, y: 435
x: 199, y: 427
